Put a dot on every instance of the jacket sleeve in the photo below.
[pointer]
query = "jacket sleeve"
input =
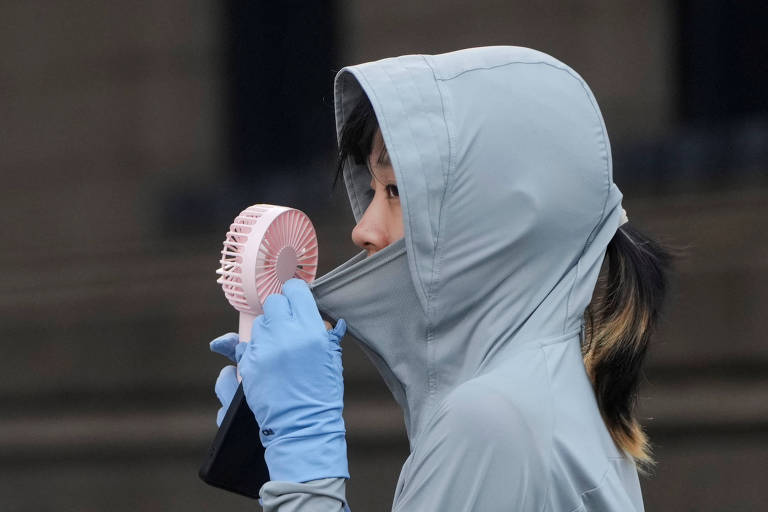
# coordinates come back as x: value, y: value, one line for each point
x: 324, y: 495
x: 478, y: 452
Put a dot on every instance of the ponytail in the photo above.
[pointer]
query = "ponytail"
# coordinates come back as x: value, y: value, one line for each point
x: 618, y: 324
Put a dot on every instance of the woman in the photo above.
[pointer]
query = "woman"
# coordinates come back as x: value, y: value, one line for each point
x: 481, y: 182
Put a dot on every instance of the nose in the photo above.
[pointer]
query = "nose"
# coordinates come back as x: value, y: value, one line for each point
x: 372, y: 233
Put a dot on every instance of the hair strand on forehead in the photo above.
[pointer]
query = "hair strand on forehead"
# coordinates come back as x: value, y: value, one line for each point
x: 356, y: 138
x: 383, y: 155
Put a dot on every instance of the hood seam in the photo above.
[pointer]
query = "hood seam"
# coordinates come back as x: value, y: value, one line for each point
x: 437, y: 257
x: 605, y: 145
x: 509, y: 63
x: 369, y: 91
x: 432, y: 379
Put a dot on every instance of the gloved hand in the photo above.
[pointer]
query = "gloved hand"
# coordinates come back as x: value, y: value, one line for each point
x: 226, y: 382
x: 292, y: 378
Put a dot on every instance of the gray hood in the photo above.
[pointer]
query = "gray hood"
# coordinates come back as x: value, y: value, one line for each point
x: 504, y: 170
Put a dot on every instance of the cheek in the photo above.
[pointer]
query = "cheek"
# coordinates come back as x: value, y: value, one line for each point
x: 395, y: 223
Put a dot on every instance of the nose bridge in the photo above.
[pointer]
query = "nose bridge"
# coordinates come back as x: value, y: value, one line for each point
x: 371, y: 232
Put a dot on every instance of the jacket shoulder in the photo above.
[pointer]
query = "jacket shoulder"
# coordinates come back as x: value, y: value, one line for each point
x: 479, y: 451
x: 480, y: 407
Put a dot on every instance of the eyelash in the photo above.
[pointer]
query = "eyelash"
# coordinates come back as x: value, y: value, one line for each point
x: 392, y: 192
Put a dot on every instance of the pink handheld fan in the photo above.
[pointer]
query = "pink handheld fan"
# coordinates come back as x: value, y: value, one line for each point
x: 266, y: 245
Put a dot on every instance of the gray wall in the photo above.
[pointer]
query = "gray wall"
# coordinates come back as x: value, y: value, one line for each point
x: 622, y: 49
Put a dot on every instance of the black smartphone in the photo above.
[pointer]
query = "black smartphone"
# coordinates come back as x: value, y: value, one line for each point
x: 235, y: 460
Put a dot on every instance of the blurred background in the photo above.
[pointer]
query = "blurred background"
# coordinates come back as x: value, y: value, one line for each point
x: 131, y: 133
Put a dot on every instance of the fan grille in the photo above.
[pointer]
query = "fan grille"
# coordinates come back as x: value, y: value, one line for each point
x: 287, y: 248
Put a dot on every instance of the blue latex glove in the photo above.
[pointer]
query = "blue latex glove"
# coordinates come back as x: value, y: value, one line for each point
x: 292, y: 378
x: 226, y: 383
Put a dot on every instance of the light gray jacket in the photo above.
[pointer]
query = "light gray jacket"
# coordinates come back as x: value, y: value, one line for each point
x: 474, y: 319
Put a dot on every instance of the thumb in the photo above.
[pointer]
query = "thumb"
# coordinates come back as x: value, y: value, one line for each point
x: 226, y: 387
x: 338, y: 332
x: 225, y: 345
x: 240, y: 350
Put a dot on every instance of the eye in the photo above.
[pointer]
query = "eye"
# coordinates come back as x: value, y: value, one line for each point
x: 392, y: 191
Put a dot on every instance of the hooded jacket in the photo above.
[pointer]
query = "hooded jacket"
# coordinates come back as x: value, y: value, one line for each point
x: 474, y: 319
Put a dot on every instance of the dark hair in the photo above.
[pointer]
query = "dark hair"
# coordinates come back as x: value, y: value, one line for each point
x: 356, y: 139
x: 619, y: 322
